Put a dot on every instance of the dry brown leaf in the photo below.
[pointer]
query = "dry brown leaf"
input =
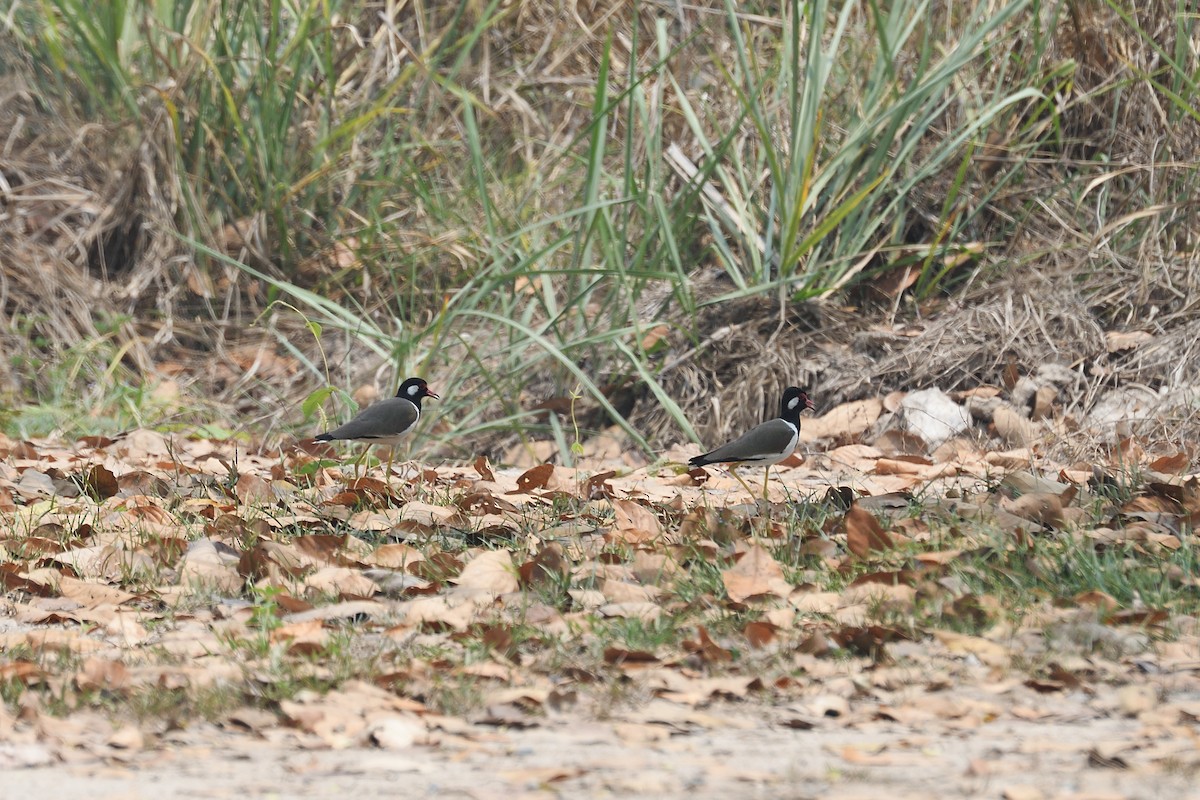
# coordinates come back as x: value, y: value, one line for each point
x: 96, y: 442
x: 481, y: 503
x: 91, y: 594
x: 1174, y: 463
x: 1138, y: 616
x: 635, y: 522
x: 337, y: 719
x: 397, y: 732
x: 625, y: 658
x: 251, y: 719
x: 760, y: 634
x: 490, y: 570
x: 548, y: 567
x: 542, y: 776
x: 29, y: 615
x: 1167, y: 541
x: 452, y: 611
x: 535, y: 478
x: 273, y: 560
x: 843, y: 422
x: 864, y: 534
x: 498, y: 638
x: 139, y: 515
x: 307, y: 638
x: 895, y: 280
x: 938, y: 557
x: 370, y: 489
x: 866, y: 640
x: 102, y: 674
x: 484, y: 469
x: 100, y: 483
x: 755, y: 574
x: 252, y: 490
x: 858, y: 457
x: 598, y: 486
x: 429, y: 514
x: 1106, y: 603
x: 1190, y: 495
x: 1040, y: 507
x: 654, y: 335
x: 342, y: 582
x: 706, y: 649
x: 11, y: 579
x: 122, y: 625
x: 437, y: 567
x: 985, y: 650
x: 395, y: 556
x: 854, y: 755
x: 291, y: 604
x: 21, y: 671
x: 321, y: 548
x: 645, y: 611
x: 1045, y: 686
x: 895, y: 442
x: 908, y: 465
x: 142, y: 445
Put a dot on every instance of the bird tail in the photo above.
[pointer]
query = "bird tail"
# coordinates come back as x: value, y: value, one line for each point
x: 324, y: 437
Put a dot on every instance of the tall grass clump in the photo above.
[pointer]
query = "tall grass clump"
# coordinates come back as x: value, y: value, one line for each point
x: 258, y: 112
x: 532, y: 206
x: 656, y: 181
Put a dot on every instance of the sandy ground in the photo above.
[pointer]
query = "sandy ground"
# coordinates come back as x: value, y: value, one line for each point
x: 736, y: 751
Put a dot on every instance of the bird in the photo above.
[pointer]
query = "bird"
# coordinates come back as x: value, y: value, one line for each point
x: 765, y: 444
x: 386, y: 422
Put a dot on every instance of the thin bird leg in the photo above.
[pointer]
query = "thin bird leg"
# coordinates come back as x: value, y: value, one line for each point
x: 765, y: 516
x: 733, y: 471
x: 358, y: 461
x: 387, y: 476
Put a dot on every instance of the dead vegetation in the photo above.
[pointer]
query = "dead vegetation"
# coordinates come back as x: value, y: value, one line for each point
x: 1097, y: 234
x: 168, y: 593
x: 1048, y: 295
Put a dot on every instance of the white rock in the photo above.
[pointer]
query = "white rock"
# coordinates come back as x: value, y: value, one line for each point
x: 932, y: 415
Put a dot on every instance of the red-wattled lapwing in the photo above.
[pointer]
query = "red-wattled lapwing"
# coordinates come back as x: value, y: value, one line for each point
x: 386, y: 422
x: 766, y: 444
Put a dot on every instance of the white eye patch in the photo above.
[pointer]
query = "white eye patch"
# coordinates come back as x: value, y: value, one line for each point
x: 414, y: 389
x: 795, y: 401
